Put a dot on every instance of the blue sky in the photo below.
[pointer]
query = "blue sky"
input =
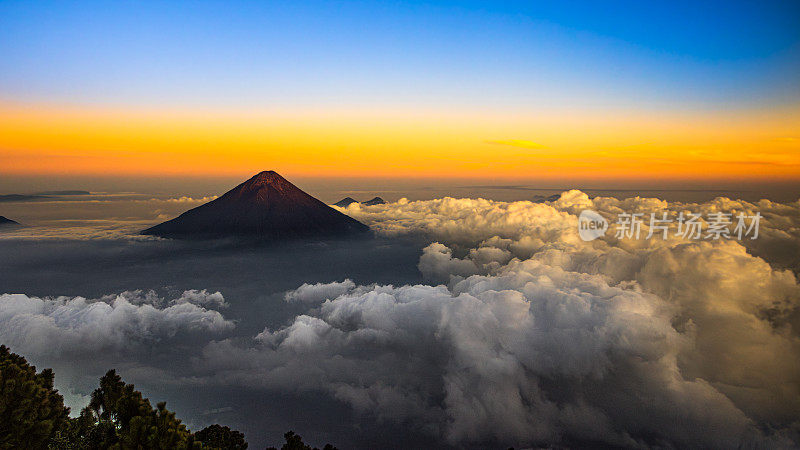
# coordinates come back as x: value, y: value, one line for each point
x: 517, y: 55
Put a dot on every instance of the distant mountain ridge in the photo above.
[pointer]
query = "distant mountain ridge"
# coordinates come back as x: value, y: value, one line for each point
x: 266, y: 206
x: 67, y: 192
x: 39, y: 196
x: 347, y: 201
x: 23, y: 197
x: 5, y: 221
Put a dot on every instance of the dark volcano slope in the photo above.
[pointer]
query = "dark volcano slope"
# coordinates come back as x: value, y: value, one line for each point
x: 267, y: 207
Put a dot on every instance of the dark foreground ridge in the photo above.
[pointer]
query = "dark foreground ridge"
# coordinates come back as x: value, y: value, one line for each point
x: 267, y: 207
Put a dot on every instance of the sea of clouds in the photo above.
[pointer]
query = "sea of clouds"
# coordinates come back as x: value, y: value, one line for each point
x: 522, y: 334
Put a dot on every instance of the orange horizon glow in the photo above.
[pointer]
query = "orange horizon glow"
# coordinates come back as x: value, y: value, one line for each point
x: 58, y: 139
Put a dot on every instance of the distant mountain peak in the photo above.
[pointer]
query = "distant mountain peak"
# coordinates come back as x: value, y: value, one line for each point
x: 267, y: 188
x: 345, y: 202
x: 375, y: 201
x: 267, y: 177
x: 266, y: 206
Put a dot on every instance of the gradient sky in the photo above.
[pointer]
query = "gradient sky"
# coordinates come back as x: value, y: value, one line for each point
x: 431, y: 89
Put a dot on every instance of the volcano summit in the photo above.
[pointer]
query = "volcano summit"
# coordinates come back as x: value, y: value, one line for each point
x: 266, y: 206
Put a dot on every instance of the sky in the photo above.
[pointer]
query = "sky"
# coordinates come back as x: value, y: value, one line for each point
x: 521, y: 90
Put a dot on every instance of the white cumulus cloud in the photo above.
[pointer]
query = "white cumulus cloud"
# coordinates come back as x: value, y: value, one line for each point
x: 537, y: 337
x: 51, y: 326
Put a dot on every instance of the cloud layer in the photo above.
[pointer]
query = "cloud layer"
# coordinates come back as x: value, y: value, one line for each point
x: 540, y: 337
x: 523, y: 334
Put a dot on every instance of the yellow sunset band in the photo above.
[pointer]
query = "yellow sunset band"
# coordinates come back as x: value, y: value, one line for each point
x: 50, y: 139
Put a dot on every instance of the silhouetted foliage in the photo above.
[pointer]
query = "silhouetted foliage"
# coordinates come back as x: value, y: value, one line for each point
x: 295, y: 442
x: 118, y: 417
x: 217, y: 437
x: 31, y: 411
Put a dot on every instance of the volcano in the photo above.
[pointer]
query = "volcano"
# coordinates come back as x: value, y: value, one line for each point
x: 267, y: 207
